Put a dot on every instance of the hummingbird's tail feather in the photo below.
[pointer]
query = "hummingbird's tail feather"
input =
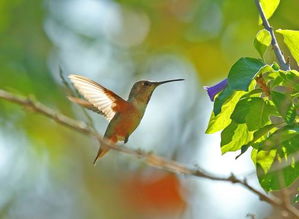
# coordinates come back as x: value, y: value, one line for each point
x: 101, y: 152
x: 104, y: 149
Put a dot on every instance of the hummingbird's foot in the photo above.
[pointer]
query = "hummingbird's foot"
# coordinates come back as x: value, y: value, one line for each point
x: 126, y: 139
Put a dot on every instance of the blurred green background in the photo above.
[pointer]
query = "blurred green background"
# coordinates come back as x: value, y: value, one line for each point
x: 46, y: 170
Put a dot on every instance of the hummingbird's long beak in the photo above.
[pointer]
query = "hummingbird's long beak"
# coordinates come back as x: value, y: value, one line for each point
x: 163, y: 82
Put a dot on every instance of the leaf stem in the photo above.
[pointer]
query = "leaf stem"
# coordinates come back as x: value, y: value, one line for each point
x: 278, y: 53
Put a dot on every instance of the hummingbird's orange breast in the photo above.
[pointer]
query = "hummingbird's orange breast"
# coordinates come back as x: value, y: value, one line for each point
x: 124, y: 123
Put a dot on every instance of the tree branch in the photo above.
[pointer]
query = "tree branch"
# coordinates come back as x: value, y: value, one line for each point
x: 280, y: 58
x: 150, y: 158
x: 46, y: 111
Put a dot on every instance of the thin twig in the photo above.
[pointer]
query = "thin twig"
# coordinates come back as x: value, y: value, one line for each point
x: 280, y: 58
x: 150, y: 158
x: 46, y: 111
x: 64, y: 81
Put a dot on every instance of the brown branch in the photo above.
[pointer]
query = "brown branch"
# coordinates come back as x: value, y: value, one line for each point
x: 262, y: 84
x: 46, y: 111
x: 150, y: 158
x: 280, y: 58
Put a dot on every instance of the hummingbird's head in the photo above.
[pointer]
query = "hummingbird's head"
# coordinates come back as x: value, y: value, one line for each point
x: 142, y: 90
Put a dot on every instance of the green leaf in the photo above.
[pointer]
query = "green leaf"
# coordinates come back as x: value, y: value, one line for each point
x: 253, y: 111
x: 234, y: 136
x: 228, y: 133
x: 279, y: 137
x: 291, y: 39
x: 262, y: 41
x: 279, y: 179
x: 267, y: 69
x: 258, y: 136
x: 279, y: 167
x: 221, y: 120
x: 244, y: 148
x: 254, y: 93
x: 291, y: 114
x: 259, y: 113
x: 274, y: 80
x: 264, y: 159
x: 284, y: 106
x: 275, y: 66
x: 241, y: 111
x: 292, y: 79
x: 225, y: 95
x: 280, y: 175
x: 262, y: 133
x: 269, y: 7
x: 242, y: 73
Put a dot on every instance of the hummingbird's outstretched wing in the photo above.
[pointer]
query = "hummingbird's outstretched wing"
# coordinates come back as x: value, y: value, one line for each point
x: 85, y: 104
x: 103, y: 99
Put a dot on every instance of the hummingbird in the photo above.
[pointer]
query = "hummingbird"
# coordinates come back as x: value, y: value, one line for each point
x: 124, y: 116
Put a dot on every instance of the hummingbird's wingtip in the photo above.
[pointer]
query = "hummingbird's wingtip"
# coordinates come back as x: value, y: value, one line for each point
x: 75, y: 77
x: 72, y: 76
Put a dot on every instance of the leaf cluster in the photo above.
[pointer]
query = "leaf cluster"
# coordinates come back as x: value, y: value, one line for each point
x: 259, y: 109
